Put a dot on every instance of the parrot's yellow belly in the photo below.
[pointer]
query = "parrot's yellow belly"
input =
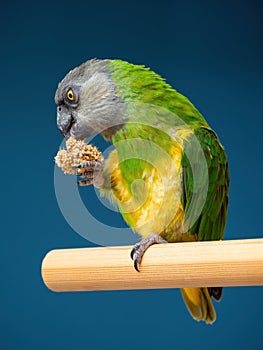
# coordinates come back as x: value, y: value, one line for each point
x: 153, y: 202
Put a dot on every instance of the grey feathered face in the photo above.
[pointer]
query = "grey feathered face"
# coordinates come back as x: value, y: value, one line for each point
x: 87, y: 102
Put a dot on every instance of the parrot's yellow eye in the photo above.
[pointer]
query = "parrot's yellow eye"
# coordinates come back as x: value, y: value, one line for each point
x: 70, y: 95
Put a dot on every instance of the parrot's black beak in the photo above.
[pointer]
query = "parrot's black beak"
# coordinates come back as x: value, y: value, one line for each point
x: 65, y: 131
x: 65, y: 122
x: 69, y: 124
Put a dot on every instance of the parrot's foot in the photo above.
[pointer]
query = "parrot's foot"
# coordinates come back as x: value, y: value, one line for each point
x: 91, y: 172
x: 140, y: 248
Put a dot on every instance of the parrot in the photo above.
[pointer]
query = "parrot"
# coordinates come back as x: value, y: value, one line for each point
x: 168, y: 172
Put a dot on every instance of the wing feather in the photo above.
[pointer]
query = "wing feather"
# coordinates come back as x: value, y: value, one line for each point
x: 210, y: 225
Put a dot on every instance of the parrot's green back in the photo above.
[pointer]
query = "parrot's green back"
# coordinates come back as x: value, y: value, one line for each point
x: 138, y: 83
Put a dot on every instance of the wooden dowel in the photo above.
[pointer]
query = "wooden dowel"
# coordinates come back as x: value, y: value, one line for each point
x: 173, y: 265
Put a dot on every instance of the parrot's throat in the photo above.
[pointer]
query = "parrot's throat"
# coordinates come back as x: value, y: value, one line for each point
x: 110, y: 132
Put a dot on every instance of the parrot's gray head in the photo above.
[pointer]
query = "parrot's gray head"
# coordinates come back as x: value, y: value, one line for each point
x: 87, y: 102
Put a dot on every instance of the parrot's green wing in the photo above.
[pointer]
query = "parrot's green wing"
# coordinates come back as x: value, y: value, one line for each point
x: 211, y: 223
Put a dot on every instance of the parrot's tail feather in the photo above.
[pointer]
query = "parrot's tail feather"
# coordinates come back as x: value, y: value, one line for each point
x: 199, y: 304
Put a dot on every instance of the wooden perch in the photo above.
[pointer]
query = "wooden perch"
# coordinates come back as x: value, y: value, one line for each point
x: 173, y: 265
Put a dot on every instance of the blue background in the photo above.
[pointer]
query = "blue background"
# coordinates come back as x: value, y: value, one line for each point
x: 210, y: 51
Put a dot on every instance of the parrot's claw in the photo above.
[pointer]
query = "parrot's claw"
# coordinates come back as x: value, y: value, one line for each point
x: 140, y: 248
x: 136, y: 259
x: 91, y: 172
x: 136, y: 265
